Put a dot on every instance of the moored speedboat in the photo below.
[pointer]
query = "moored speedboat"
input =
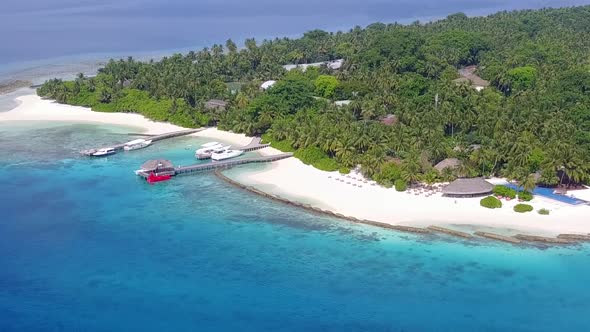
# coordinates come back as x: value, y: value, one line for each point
x: 153, y: 178
x: 137, y: 144
x: 210, y: 145
x: 104, y: 152
x: 208, y: 149
x: 226, y: 154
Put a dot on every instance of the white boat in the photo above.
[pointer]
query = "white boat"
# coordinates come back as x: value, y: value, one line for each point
x: 226, y: 154
x: 104, y: 152
x: 136, y: 144
x: 210, y: 145
x: 207, y: 149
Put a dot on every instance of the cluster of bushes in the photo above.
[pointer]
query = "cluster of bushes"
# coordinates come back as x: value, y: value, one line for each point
x: 504, y: 192
x: 284, y: 145
x: 544, y: 212
x: 490, y: 202
x: 317, y: 158
x: 522, y: 208
x: 400, y: 185
x: 137, y: 101
x: 344, y: 170
x: 387, y: 175
x: 310, y: 156
x: 525, y: 196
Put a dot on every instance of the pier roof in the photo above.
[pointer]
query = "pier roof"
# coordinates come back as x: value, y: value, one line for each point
x: 152, y: 165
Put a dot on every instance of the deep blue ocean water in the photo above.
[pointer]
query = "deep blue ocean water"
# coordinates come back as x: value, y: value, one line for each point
x: 60, y: 38
x: 87, y: 246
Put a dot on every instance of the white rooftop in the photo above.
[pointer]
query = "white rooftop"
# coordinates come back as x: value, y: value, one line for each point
x: 334, y: 65
x: 136, y: 141
x: 267, y: 84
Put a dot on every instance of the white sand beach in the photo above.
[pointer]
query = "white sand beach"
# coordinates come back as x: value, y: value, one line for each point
x: 294, y: 180
x: 34, y: 108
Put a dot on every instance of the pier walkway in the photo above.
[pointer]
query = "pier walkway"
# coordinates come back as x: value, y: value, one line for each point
x: 253, y: 145
x: 212, y: 165
x: 154, y: 138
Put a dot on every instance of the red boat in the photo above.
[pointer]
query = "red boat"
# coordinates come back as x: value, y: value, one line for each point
x: 153, y: 178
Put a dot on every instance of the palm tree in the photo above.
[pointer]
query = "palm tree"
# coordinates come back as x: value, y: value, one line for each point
x: 411, y: 169
x: 345, y: 151
x: 529, y: 183
x: 448, y: 174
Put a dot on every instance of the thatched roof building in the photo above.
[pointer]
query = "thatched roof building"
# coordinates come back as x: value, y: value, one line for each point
x: 390, y: 120
x: 448, y: 163
x: 468, y: 76
x: 215, y: 104
x: 157, y: 165
x: 468, y: 188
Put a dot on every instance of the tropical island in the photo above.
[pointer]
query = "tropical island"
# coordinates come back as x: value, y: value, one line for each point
x: 505, y: 96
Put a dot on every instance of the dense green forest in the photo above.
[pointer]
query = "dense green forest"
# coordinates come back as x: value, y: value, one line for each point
x: 534, y: 118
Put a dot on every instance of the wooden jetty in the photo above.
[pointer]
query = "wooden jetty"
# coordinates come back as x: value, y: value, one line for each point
x: 498, y: 237
x: 450, y: 232
x: 154, y: 138
x: 170, y: 170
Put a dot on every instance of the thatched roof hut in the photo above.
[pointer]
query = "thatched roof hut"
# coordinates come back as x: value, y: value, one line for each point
x: 448, y: 163
x: 215, y: 104
x: 468, y: 188
x: 389, y: 120
x: 157, y: 164
x: 468, y: 76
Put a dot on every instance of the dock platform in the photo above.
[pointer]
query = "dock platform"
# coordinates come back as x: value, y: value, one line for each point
x: 217, y: 165
x: 252, y: 146
x: 119, y: 147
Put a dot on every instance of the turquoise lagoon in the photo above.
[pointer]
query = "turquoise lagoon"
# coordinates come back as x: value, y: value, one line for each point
x: 87, y: 246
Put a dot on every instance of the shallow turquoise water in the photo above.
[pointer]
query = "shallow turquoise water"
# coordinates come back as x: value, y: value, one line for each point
x: 85, y: 245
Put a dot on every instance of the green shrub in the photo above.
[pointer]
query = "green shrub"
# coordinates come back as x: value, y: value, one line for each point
x: 525, y: 196
x: 310, y: 154
x: 389, y: 172
x: 317, y: 158
x: 490, y: 202
x: 400, y: 185
x: 505, y: 191
x: 522, y: 208
x: 284, y: 146
x: 344, y: 170
x: 544, y: 212
x: 326, y: 164
x: 386, y: 184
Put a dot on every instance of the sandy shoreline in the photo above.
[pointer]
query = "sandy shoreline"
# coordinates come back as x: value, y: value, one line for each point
x: 294, y: 180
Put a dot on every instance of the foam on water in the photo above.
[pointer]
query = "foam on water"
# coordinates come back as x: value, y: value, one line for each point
x: 86, y: 245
